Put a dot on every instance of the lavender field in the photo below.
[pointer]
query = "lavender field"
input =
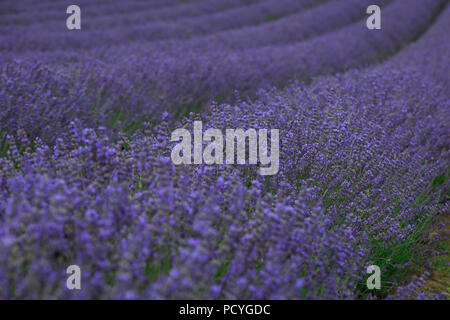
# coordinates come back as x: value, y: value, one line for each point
x: 87, y: 178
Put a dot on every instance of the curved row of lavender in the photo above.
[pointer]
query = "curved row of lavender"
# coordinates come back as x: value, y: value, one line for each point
x: 181, y: 78
x: 14, y: 11
x: 108, y: 13
x: 364, y: 163
x: 295, y: 27
x: 16, y: 38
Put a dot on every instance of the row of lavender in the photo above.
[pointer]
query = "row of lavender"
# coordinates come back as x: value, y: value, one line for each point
x: 112, y: 31
x: 18, y: 9
x: 113, y: 14
x: 294, y: 28
x: 183, y: 77
x: 362, y: 180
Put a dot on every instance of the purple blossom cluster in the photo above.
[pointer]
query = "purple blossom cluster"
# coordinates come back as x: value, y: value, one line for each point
x: 86, y: 177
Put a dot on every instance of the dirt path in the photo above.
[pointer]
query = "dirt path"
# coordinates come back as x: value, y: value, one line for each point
x: 439, y: 280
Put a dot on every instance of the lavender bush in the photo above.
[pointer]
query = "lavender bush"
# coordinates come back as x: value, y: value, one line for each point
x: 86, y: 176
